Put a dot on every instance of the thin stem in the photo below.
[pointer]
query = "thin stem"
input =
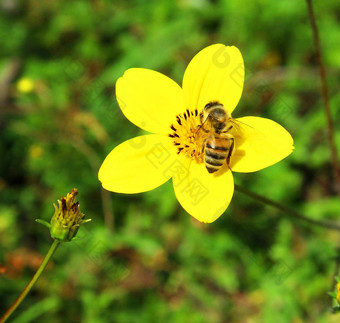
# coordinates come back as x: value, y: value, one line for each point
x: 330, y: 126
x: 325, y: 95
x: 23, y: 294
x: 288, y: 211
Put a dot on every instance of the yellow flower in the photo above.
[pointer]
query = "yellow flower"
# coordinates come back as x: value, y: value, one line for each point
x: 25, y: 85
x: 175, y: 149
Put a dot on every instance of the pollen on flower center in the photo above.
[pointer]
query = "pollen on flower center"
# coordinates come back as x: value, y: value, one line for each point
x: 186, y: 135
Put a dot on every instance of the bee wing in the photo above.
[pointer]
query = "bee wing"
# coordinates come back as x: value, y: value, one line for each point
x: 243, y: 130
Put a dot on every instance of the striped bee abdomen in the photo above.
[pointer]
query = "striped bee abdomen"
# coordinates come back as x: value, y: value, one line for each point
x: 217, y: 149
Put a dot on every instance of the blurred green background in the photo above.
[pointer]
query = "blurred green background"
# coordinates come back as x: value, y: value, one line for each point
x: 142, y: 258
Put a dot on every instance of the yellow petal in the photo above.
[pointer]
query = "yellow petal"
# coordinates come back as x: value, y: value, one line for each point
x: 149, y: 99
x: 138, y: 165
x: 259, y: 143
x: 204, y: 196
x: 216, y: 73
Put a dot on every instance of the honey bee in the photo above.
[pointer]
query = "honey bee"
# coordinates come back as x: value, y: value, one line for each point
x: 219, y: 144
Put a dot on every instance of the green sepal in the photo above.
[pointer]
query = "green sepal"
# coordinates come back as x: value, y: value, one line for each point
x: 76, y: 238
x: 332, y: 294
x: 43, y: 222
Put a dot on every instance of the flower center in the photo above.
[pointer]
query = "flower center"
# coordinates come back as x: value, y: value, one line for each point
x: 187, y: 137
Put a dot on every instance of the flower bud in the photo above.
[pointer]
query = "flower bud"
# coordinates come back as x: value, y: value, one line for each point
x: 67, y: 218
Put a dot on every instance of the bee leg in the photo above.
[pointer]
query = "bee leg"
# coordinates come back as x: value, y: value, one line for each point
x: 227, y: 129
x: 203, y: 146
x: 230, y: 151
x: 201, y: 117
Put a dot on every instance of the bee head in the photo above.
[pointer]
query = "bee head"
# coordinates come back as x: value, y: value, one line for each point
x: 215, y: 111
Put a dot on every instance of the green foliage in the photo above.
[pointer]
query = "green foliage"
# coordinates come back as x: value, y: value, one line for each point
x: 142, y: 258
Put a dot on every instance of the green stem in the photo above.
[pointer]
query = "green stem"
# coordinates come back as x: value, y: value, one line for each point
x: 326, y: 105
x: 325, y: 95
x: 288, y: 211
x: 23, y: 294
